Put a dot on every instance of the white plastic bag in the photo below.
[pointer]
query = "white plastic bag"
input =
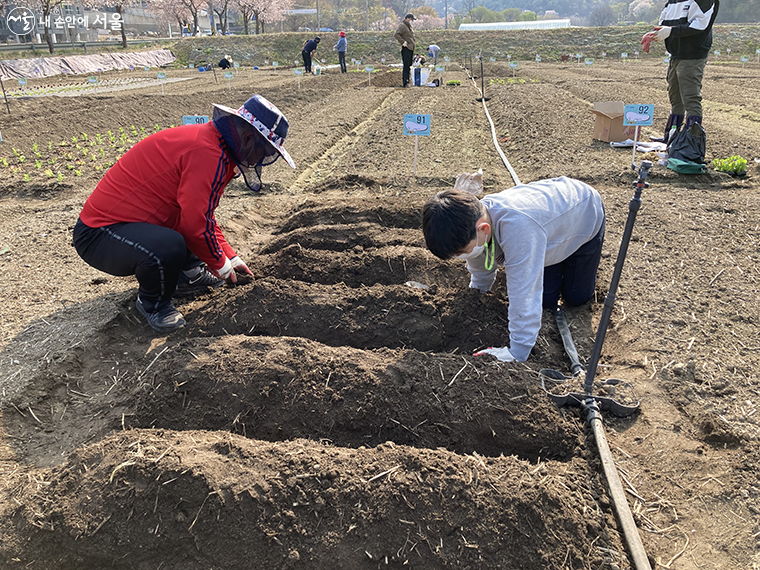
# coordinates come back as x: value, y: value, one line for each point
x: 472, y: 183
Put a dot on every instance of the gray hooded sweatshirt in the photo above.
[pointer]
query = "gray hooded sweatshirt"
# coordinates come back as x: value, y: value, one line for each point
x: 534, y: 225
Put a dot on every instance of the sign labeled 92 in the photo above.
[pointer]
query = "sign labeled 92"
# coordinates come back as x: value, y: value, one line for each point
x: 638, y: 115
x: 417, y: 125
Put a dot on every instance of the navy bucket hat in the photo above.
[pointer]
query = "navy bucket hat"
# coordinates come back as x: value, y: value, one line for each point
x: 263, y: 116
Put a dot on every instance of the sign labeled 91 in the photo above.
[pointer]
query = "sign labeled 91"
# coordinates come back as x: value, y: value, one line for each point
x: 417, y: 125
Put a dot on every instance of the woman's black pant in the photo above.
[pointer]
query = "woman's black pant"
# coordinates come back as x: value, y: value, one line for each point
x: 154, y: 254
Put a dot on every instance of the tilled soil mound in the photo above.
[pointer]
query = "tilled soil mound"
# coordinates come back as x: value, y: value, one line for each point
x: 198, y: 499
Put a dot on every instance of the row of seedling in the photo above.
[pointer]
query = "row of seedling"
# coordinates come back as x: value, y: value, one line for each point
x: 72, y: 156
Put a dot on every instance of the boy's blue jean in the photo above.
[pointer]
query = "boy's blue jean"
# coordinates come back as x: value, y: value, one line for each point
x: 574, y: 278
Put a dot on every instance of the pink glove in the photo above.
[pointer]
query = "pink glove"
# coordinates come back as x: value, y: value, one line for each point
x: 646, y: 40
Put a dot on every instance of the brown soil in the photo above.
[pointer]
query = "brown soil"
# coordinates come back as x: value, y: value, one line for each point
x: 330, y: 414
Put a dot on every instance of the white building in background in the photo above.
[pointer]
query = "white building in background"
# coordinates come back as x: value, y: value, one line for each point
x: 533, y: 25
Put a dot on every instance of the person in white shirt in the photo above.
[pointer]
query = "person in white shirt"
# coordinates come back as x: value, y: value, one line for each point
x: 548, y: 234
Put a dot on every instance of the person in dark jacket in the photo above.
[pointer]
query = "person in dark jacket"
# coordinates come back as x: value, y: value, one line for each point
x: 225, y: 62
x: 686, y: 28
x: 308, y: 51
x: 405, y: 37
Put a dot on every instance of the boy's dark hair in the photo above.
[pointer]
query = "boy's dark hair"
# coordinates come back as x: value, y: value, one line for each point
x: 448, y: 222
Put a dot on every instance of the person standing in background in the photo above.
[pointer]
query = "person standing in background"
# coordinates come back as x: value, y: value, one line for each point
x: 405, y: 36
x: 686, y: 28
x: 341, y: 47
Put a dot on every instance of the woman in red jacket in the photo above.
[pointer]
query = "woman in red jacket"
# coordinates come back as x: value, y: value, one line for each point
x: 152, y: 214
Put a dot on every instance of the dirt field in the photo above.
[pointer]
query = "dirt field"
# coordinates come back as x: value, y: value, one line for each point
x: 329, y: 415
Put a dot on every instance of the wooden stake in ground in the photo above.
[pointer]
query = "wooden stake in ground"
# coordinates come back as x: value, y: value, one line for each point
x: 415, y: 155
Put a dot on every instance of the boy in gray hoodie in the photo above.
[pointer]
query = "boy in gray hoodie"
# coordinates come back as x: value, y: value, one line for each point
x: 548, y: 234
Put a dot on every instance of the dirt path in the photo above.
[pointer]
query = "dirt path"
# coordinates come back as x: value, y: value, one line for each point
x: 329, y: 415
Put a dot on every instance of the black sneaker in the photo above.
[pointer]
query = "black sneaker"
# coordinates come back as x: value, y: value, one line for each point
x: 198, y: 284
x: 166, y: 318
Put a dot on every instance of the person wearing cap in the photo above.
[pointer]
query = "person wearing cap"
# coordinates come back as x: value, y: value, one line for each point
x: 548, y: 235
x: 341, y: 47
x: 152, y: 214
x: 225, y: 62
x: 405, y: 36
x: 308, y: 51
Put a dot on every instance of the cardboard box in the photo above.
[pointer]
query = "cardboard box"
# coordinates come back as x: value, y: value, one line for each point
x: 608, y: 126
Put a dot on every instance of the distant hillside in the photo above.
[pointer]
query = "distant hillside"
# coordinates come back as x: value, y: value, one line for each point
x: 371, y: 47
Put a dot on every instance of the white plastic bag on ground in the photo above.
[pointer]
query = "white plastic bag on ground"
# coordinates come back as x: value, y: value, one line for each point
x: 472, y: 183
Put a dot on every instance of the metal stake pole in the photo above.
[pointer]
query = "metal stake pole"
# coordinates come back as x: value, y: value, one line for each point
x: 482, y: 81
x: 5, y: 96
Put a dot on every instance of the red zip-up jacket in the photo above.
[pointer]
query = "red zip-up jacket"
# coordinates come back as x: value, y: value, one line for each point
x: 173, y: 178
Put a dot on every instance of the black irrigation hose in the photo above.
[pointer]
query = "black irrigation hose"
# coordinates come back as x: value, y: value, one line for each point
x: 594, y: 416
x: 617, y: 494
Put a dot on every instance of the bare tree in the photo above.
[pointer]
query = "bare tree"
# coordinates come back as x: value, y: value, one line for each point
x: 220, y: 9
x: 602, y: 16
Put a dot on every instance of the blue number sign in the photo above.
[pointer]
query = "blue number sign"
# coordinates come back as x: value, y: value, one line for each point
x: 194, y: 119
x: 417, y: 125
x: 638, y: 115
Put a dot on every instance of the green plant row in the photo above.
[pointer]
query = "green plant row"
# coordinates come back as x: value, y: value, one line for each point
x: 97, y: 152
x: 512, y: 80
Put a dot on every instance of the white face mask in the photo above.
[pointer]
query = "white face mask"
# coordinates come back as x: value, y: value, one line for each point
x: 476, y: 251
